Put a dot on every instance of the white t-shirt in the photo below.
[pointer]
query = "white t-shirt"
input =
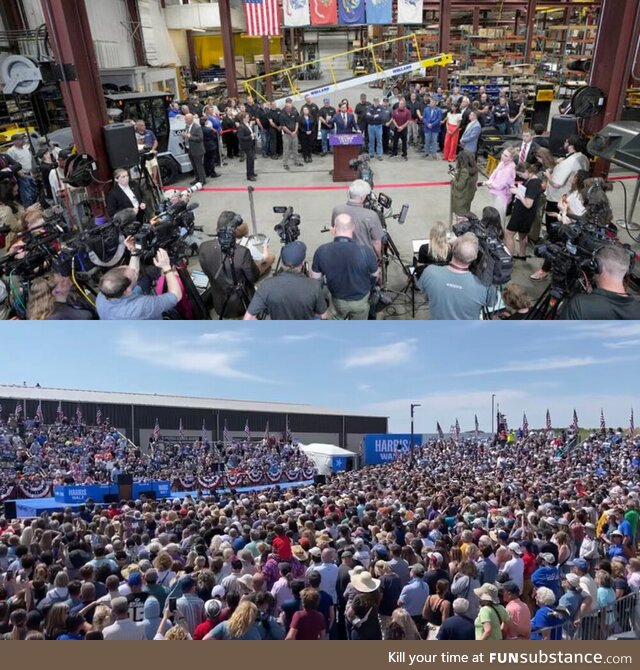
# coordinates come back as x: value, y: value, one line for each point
x: 515, y: 569
x: 23, y: 156
x: 56, y: 183
x: 562, y: 175
x: 590, y: 588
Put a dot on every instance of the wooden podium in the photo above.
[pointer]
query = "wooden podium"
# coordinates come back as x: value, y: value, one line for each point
x: 345, y: 148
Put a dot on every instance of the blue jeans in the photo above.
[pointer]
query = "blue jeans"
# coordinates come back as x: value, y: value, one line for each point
x: 431, y: 143
x: 375, y: 136
x: 324, y: 132
x: 264, y: 142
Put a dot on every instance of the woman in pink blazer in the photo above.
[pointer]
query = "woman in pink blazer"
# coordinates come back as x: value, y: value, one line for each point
x: 501, y: 181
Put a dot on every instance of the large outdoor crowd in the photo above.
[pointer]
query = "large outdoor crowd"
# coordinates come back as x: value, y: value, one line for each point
x: 520, y: 537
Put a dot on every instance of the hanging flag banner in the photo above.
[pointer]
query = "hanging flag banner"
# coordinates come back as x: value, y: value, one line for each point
x: 410, y: 11
x: 379, y: 12
x: 351, y: 12
x: 262, y: 17
x: 296, y: 13
x: 323, y: 12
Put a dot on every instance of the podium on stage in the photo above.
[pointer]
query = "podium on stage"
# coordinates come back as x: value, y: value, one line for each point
x: 345, y: 148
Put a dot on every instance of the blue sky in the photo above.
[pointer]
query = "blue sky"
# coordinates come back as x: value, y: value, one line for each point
x: 450, y: 368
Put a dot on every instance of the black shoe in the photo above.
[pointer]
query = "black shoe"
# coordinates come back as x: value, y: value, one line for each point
x: 251, y: 179
x: 215, y: 176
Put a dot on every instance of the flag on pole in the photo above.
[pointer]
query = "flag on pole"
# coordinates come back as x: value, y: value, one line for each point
x: 548, y: 424
x: 410, y: 11
x: 180, y: 430
x: 296, y: 13
x: 156, y: 431
x: 266, y: 433
x: 59, y: 412
x: 323, y: 12
x: 18, y: 409
x: 204, y: 437
x: 525, y: 425
x: 574, y: 423
x: 379, y: 12
x: 603, y: 425
x: 287, y: 436
x: 440, y: 431
x: 99, y: 417
x: 39, y: 415
x: 632, y: 427
x: 247, y: 431
x: 78, y: 414
x: 226, y: 435
x: 262, y: 17
x: 351, y: 12
x: 477, y: 425
x: 457, y: 429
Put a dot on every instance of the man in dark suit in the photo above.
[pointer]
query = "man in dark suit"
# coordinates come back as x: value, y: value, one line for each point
x: 194, y: 145
x: 247, y: 142
x: 344, y: 122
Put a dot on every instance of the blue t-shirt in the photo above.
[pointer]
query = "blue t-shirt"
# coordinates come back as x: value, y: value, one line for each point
x: 220, y: 632
x: 545, y: 617
x: 547, y: 576
x: 135, y: 307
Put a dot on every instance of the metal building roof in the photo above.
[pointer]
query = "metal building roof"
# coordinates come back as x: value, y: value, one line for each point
x: 78, y: 395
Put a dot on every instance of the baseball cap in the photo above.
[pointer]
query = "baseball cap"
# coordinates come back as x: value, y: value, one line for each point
x: 515, y: 548
x: 548, y: 557
x: 294, y: 254
x: 212, y: 608
x: 572, y: 580
x: 217, y: 591
x: 315, y: 551
x: 135, y: 579
x: 579, y: 563
x: 326, y: 100
x: 18, y: 136
x: 187, y: 583
x: 509, y: 587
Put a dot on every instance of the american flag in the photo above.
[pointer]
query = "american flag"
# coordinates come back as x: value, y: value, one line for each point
x: 204, y: 432
x: 39, y: 415
x: 603, y: 425
x: 263, y: 17
x: 78, y: 414
x: 226, y: 435
x: 548, y: 420
x: 18, y: 409
x: 525, y: 425
x: 440, y: 431
x: 247, y: 431
x: 180, y: 430
x: 99, y: 417
x: 457, y: 428
x: 59, y: 412
x: 632, y: 427
x: 266, y: 432
x: 287, y: 436
x: 156, y: 431
x: 574, y: 423
x: 477, y: 425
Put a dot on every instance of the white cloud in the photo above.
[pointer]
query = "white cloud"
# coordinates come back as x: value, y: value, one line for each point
x: 299, y: 338
x: 622, y: 344
x: 387, y: 354
x: 541, y: 365
x: 188, y: 355
x: 364, y: 388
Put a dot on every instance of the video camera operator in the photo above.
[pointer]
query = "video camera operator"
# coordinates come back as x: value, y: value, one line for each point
x: 49, y: 300
x: 290, y: 295
x: 125, y: 194
x: 453, y: 291
x: 229, y: 295
x: 121, y: 298
x: 368, y: 229
x: 351, y: 271
x: 610, y: 299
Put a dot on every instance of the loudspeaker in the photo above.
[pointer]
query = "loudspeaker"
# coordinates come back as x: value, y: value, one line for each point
x: 562, y: 127
x: 121, y: 144
x: 10, y: 511
x: 150, y: 495
x: 125, y: 486
x: 111, y: 498
x: 320, y: 479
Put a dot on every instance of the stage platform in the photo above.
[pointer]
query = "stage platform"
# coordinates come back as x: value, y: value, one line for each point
x: 30, y: 508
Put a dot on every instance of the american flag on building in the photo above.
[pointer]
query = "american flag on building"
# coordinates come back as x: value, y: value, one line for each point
x: 548, y: 420
x: 574, y: 423
x: 247, y: 431
x: 262, y: 17
x: 39, y: 415
x: 99, y: 417
x: 156, y: 431
x: 226, y: 435
x: 603, y: 424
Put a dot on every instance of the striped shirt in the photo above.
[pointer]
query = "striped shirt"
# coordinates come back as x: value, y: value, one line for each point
x: 192, y: 609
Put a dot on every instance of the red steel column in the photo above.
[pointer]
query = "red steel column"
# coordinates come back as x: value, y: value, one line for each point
x: 476, y: 20
x: 531, y: 20
x: 136, y: 32
x: 266, y: 52
x: 70, y: 37
x: 13, y: 9
x: 227, y: 47
x: 444, y: 44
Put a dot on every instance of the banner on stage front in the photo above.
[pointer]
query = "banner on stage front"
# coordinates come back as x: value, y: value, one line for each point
x: 384, y: 448
x: 296, y: 13
x: 351, y: 12
x: 323, y: 12
x: 410, y: 11
x: 379, y: 12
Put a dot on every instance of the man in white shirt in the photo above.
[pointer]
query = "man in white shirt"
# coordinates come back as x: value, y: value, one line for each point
x: 21, y: 152
x: 514, y: 567
x: 123, y: 628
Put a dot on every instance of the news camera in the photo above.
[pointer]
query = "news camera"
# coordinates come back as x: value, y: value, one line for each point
x: 227, y: 236
x: 363, y: 168
x: 289, y: 228
x: 494, y: 265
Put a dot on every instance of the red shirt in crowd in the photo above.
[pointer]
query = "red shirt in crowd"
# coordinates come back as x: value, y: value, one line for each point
x: 308, y: 624
x: 401, y: 116
x: 282, y: 547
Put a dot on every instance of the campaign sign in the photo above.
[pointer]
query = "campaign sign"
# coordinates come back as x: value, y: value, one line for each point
x: 383, y: 448
x: 347, y: 139
x: 78, y: 493
x: 338, y: 463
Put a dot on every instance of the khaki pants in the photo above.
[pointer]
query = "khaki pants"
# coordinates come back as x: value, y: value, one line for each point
x: 354, y: 310
x: 290, y: 149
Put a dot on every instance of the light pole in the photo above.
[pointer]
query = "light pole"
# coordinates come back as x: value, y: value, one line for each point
x: 413, y: 406
x: 493, y: 397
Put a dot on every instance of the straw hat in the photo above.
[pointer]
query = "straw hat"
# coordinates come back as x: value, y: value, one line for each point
x: 299, y: 552
x: 363, y: 582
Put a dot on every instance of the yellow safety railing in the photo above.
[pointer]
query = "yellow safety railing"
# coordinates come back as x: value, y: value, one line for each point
x: 329, y: 61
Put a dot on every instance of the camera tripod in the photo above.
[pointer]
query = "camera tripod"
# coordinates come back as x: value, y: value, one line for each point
x: 148, y: 186
x: 239, y: 287
x: 200, y: 310
x: 389, y: 253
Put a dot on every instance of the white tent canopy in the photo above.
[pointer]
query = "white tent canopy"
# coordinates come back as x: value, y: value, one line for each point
x: 323, y: 455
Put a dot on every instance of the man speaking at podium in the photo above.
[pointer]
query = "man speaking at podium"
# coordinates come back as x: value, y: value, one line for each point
x: 345, y: 123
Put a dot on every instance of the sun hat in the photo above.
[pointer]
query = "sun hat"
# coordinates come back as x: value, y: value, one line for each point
x: 363, y: 582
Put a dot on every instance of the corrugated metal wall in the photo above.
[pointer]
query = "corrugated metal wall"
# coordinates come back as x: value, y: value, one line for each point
x: 111, y: 32
x: 158, y: 45
x: 33, y: 13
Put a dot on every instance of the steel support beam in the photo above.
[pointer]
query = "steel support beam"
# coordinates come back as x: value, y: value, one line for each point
x: 70, y: 37
x: 476, y: 20
x: 531, y: 26
x: 136, y: 32
x: 444, y: 44
x: 612, y: 65
x: 227, y: 47
x: 266, y: 53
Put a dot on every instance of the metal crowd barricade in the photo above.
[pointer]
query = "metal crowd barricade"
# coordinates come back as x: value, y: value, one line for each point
x: 622, y: 616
